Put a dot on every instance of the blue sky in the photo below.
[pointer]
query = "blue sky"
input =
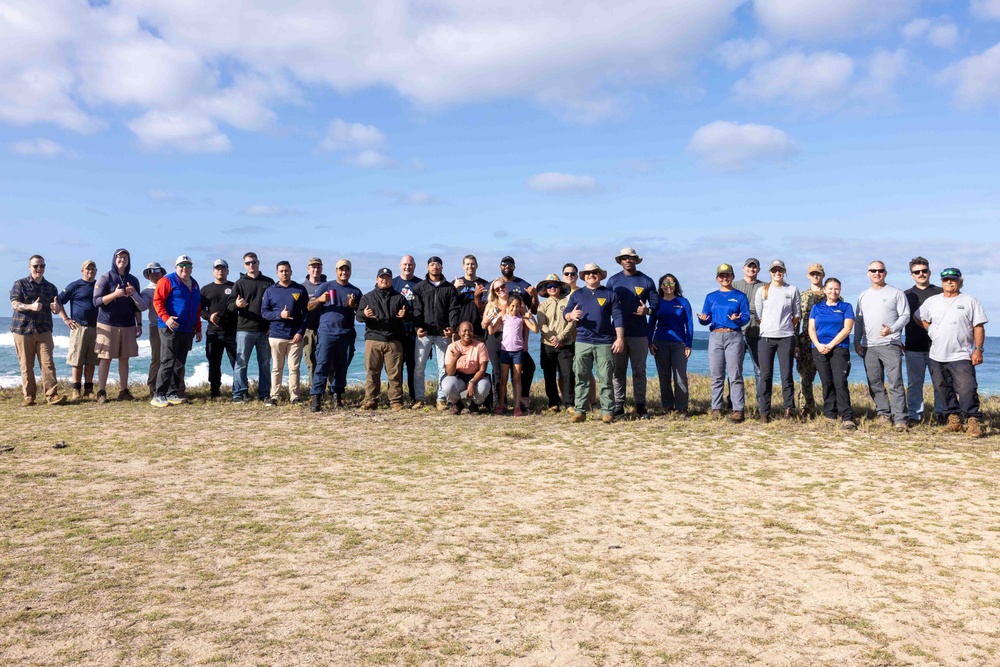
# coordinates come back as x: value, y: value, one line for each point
x: 697, y: 131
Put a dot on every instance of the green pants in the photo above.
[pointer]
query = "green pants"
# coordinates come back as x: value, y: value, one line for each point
x: 598, y: 358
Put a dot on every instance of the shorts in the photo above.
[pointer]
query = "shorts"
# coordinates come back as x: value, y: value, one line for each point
x: 82, y: 347
x: 116, y: 342
x: 511, y: 357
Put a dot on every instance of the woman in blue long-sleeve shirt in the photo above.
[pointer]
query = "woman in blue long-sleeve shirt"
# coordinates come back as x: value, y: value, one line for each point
x: 725, y: 312
x: 670, y: 335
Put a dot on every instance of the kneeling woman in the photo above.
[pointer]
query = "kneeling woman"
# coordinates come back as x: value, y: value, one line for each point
x: 830, y: 324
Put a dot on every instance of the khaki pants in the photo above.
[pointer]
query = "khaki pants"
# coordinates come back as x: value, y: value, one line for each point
x: 310, y: 341
x: 280, y: 349
x: 30, y: 346
x: 390, y: 355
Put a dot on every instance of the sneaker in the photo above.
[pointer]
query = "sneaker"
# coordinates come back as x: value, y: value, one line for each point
x: 848, y: 425
x: 736, y: 416
x: 338, y: 402
x: 88, y: 391
x: 974, y: 429
x: 56, y: 399
x: 270, y: 402
x: 442, y: 406
x: 618, y: 412
x: 716, y: 414
x: 473, y: 408
x: 396, y: 407
x: 640, y: 411
x: 681, y: 414
x: 807, y: 412
x: 125, y: 395
x: 570, y: 409
x: 764, y: 419
x: 912, y: 422
x: 900, y: 427
x: 517, y: 412
x: 28, y: 401
x: 102, y: 396
x: 552, y: 409
x: 159, y: 402
x: 296, y: 401
x: 607, y: 419
x: 174, y: 399
x: 578, y: 417
x: 791, y: 414
x: 455, y: 408
x: 239, y: 399
x: 315, y: 403
x: 74, y: 395
x: 883, y: 420
x: 417, y: 405
x: 500, y: 410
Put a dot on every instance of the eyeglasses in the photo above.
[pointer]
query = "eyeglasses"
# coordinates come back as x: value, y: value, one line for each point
x: 252, y: 261
x: 501, y: 288
x: 569, y: 274
x: 921, y: 272
x: 876, y: 270
x: 38, y: 266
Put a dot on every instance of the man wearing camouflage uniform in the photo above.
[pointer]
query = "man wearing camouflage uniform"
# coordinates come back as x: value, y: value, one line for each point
x: 807, y: 368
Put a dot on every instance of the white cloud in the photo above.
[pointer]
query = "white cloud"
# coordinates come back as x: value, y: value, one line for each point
x: 183, y: 130
x: 370, y: 159
x: 554, y: 182
x: 986, y: 9
x: 738, y: 52
x: 976, y: 78
x: 938, y: 32
x: 37, y: 148
x: 884, y: 69
x: 342, y: 136
x: 829, y: 20
x: 263, y: 211
x: 67, y: 62
x: 728, y: 146
x: 817, y: 80
x: 414, y: 198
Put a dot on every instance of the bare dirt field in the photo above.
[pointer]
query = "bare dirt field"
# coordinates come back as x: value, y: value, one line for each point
x: 220, y: 534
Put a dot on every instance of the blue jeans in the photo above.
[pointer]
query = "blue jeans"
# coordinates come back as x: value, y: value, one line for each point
x: 916, y: 367
x: 247, y: 342
x: 334, y: 353
x: 423, y: 352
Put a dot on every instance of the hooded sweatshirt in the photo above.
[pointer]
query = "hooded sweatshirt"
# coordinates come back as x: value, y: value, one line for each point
x: 436, y: 307
x: 251, y: 289
x: 122, y: 311
x: 386, y: 325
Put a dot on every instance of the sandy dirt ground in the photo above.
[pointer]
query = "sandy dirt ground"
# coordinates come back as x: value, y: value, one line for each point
x: 204, y: 535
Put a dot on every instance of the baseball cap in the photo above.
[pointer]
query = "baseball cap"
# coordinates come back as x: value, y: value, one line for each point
x: 752, y: 260
x: 88, y: 262
x: 220, y: 262
x: 314, y: 260
x: 508, y: 260
x: 434, y: 258
x: 343, y: 262
x: 815, y: 267
x: 185, y: 259
x: 777, y: 264
x: 723, y: 268
x: 384, y: 271
x: 951, y: 273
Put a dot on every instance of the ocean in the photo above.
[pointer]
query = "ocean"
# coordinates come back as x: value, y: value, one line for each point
x: 988, y: 373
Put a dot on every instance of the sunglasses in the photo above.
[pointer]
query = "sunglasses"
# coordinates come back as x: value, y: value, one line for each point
x: 921, y: 272
x: 501, y: 288
x: 876, y: 270
x: 251, y: 262
x: 38, y: 266
x: 815, y: 274
x: 184, y: 265
x: 569, y: 274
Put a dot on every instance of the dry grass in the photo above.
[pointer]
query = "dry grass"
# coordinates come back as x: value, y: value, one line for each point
x: 221, y: 534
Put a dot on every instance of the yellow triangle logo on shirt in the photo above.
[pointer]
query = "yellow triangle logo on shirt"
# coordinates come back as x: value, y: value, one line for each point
x: 638, y: 291
x: 600, y: 302
x: 295, y: 295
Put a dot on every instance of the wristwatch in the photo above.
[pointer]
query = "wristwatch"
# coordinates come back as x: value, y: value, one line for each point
x: 979, y: 349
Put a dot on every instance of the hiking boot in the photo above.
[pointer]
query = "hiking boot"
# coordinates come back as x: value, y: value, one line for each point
x: 716, y: 414
x: 56, y: 399
x: 791, y: 414
x: 736, y: 416
x: 315, y: 403
x: 442, y: 406
x: 74, y: 395
x: 900, y: 427
x: 608, y: 419
x: 473, y: 408
x: 28, y: 401
x: 338, y: 401
x: 102, y: 396
x: 417, y: 405
x: 807, y: 412
x: 578, y: 417
x: 954, y: 424
x: 553, y: 409
x: 396, y: 407
x: 640, y: 411
x: 88, y: 390
x: 455, y: 408
x: 912, y: 422
x: 973, y: 428
x: 883, y: 420
x: 159, y: 402
x: 369, y: 405
x: 681, y: 414
x: 848, y: 425
x: 618, y: 412
x: 125, y: 395
x: 764, y: 419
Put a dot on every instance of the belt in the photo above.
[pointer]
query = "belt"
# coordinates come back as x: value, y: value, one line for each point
x: 717, y: 330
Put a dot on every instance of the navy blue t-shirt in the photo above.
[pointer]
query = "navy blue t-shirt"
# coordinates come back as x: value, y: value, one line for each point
x: 79, y: 294
x: 830, y: 320
x: 406, y: 287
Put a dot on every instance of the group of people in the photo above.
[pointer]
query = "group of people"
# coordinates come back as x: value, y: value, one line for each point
x: 478, y: 331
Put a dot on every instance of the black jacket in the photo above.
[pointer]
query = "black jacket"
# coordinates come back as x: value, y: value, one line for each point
x: 386, y: 326
x: 251, y: 289
x: 435, y: 308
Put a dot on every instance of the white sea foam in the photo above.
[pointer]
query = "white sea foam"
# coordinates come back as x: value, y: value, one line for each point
x: 62, y: 343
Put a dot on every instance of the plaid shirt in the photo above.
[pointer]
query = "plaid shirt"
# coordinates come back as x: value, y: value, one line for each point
x: 27, y: 291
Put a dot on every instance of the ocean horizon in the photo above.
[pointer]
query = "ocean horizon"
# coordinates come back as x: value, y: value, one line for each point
x: 988, y: 374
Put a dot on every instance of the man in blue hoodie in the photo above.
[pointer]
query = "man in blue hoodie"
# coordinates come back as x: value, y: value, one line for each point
x: 284, y: 306
x: 118, y: 298
x: 638, y: 297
